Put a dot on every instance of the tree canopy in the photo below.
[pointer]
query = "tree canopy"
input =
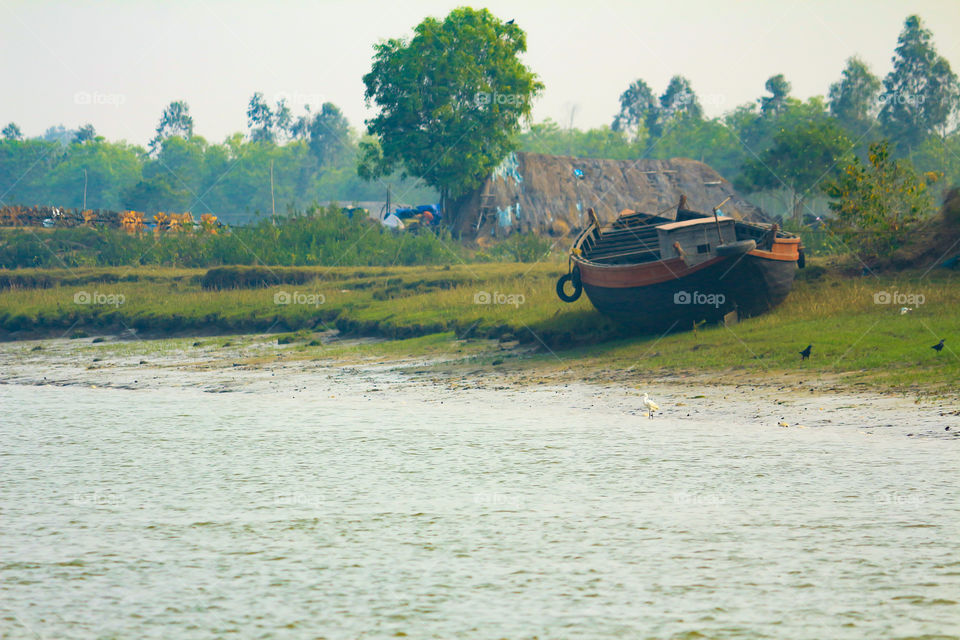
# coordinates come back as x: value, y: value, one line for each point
x: 799, y: 159
x: 853, y: 98
x: 450, y: 99
x: 876, y: 200
x: 184, y: 172
x: 779, y: 89
x: 921, y: 93
x: 174, y: 121
x: 641, y: 114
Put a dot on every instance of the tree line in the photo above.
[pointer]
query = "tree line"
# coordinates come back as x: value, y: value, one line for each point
x: 283, y: 163
x: 455, y: 98
x: 780, y: 145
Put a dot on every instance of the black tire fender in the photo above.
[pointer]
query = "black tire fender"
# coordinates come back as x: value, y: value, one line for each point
x: 574, y: 277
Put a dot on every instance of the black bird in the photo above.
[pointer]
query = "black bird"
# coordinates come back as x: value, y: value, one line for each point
x: 510, y: 21
x: 938, y: 346
x: 806, y: 352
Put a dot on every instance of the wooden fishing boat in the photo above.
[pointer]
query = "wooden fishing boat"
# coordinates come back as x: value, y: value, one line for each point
x: 661, y: 273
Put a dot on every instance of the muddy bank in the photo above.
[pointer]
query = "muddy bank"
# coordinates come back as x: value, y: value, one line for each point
x: 357, y: 369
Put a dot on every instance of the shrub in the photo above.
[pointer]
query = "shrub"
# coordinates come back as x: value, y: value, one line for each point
x: 877, y: 203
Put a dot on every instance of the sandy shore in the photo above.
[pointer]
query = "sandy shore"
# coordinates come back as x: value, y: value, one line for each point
x: 251, y: 364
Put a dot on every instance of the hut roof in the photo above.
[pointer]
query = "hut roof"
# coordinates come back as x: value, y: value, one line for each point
x: 558, y: 190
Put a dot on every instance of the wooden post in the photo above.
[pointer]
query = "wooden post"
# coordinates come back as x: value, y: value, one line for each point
x: 273, y: 206
x: 716, y: 219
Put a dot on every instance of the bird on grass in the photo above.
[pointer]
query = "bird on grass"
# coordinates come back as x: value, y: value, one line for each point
x: 938, y: 347
x: 806, y: 352
x: 650, y: 405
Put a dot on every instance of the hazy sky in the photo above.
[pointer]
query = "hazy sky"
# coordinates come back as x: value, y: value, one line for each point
x: 117, y: 64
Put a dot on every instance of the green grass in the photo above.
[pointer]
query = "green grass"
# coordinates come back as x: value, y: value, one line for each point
x: 432, y: 310
x: 855, y: 341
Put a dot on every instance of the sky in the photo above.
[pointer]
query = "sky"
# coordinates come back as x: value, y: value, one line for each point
x: 117, y: 64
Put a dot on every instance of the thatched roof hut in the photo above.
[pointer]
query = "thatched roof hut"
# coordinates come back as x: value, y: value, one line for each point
x: 551, y: 194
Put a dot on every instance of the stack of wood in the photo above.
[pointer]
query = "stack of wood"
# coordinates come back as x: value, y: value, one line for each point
x: 19, y: 216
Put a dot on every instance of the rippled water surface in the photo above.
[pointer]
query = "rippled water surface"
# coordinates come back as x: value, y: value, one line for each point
x: 180, y: 514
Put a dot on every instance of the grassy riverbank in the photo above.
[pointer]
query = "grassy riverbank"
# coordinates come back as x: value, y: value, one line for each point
x: 452, y: 309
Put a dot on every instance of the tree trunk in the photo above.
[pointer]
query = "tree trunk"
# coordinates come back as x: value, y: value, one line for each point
x: 797, y: 209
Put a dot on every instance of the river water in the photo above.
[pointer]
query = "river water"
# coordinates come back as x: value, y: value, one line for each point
x: 323, y: 508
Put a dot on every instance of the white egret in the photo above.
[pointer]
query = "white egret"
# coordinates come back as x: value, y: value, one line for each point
x: 650, y: 405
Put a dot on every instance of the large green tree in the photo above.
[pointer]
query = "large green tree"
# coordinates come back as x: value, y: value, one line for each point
x: 260, y: 119
x: 12, y: 132
x: 171, y: 179
x: 451, y: 99
x: 25, y: 167
x: 805, y: 151
x: 921, y: 93
x: 779, y: 90
x: 174, y: 121
x: 102, y: 169
x: 853, y: 99
x: 328, y: 134
x: 85, y: 133
x: 678, y: 102
x: 639, y: 111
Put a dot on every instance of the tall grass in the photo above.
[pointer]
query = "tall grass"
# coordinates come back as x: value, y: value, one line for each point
x: 322, y: 235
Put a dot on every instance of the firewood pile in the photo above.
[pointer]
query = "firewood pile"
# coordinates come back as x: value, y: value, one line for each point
x: 129, y: 221
x: 19, y: 216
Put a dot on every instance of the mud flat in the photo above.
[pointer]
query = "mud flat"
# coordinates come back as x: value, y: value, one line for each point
x: 486, y: 371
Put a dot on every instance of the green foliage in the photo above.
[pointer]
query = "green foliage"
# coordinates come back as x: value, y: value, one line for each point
x: 603, y: 142
x: 639, y: 111
x: 451, y: 98
x: 921, y: 93
x: 708, y: 141
x: 877, y: 203
x: 863, y: 341
x: 371, y: 165
x: 779, y: 89
x: 12, y: 132
x: 109, y: 167
x: 939, y: 155
x: 231, y: 179
x: 322, y: 236
x: 522, y: 247
x: 328, y: 135
x: 678, y: 102
x: 260, y: 120
x: 175, y: 121
x: 37, y: 172
x: 800, y: 157
x: 85, y: 133
x: 853, y: 99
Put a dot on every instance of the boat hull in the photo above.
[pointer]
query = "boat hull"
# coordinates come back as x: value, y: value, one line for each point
x: 661, y: 295
x: 759, y: 283
x: 681, y: 277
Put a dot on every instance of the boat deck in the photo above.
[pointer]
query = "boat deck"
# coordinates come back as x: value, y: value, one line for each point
x: 631, y: 239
